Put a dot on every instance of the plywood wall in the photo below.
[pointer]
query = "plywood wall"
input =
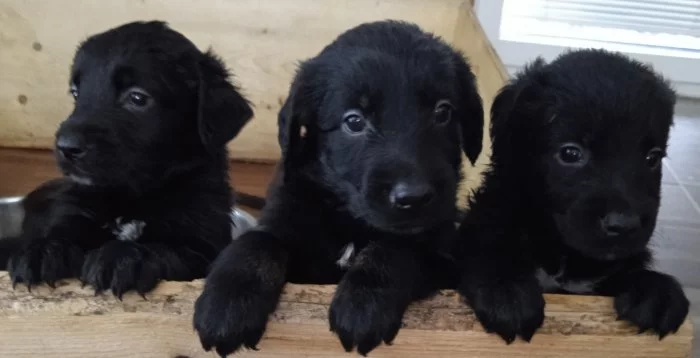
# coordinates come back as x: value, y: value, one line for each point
x: 262, y: 41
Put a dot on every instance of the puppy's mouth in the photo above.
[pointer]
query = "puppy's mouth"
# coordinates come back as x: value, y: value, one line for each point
x: 81, y: 179
x: 77, y: 175
x: 405, y: 229
x: 406, y: 226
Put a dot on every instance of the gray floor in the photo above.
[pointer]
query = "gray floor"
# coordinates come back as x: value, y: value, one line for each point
x: 677, y: 240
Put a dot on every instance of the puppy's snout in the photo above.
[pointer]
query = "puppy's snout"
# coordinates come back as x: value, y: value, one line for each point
x: 406, y: 195
x: 71, y: 147
x: 616, y: 224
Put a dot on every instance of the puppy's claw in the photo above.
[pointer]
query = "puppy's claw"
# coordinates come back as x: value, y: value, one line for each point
x: 367, y: 345
x: 527, y: 335
x: 205, y: 344
x: 347, y: 342
x: 509, y: 340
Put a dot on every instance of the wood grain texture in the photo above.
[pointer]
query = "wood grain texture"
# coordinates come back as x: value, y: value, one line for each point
x: 70, y: 321
x: 261, y: 41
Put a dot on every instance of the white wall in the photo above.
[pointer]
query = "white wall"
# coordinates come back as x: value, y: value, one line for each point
x: 683, y: 72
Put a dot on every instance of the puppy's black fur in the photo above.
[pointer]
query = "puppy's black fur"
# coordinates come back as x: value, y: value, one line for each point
x: 570, y: 201
x: 372, y: 134
x: 146, y: 192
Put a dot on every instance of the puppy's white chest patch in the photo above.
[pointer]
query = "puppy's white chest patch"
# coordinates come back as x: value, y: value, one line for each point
x: 128, y: 230
x: 346, y: 256
x: 550, y: 283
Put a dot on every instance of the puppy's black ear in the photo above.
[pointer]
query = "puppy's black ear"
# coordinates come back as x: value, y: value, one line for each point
x: 289, y: 135
x: 297, y: 115
x: 516, y: 99
x: 222, y: 110
x: 470, y: 111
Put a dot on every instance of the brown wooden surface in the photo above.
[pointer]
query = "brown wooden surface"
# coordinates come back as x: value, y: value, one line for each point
x: 70, y: 321
x: 21, y: 170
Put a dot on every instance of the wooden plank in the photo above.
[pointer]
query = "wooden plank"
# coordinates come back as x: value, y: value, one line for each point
x: 262, y: 41
x: 71, y: 322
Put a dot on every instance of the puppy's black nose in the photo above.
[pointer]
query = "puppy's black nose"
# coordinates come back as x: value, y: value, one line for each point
x: 409, y: 196
x: 616, y: 224
x: 70, y: 147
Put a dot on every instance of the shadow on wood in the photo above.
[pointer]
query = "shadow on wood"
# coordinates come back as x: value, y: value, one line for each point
x: 71, y: 322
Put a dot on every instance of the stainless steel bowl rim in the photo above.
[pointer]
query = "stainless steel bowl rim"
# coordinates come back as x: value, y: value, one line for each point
x: 242, y: 220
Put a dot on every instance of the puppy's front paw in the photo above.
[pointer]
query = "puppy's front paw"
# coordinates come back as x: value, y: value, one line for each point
x: 45, y: 260
x: 120, y: 267
x: 653, y: 301
x: 232, y: 313
x: 364, y: 317
x: 509, y: 309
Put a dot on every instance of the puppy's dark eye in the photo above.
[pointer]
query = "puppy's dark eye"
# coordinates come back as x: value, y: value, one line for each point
x: 138, y: 99
x: 653, y: 158
x: 354, y: 122
x: 73, y: 91
x: 443, y: 112
x: 571, y: 154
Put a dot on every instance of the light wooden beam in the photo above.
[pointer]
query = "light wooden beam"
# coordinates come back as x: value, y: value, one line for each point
x: 70, y: 322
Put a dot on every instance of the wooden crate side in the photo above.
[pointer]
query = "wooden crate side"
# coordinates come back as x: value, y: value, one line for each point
x: 72, y: 322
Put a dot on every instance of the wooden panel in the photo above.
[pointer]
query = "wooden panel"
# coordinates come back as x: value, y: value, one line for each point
x: 261, y: 41
x: 70, y: 322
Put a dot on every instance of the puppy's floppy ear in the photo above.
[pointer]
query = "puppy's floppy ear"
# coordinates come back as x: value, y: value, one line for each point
x: 298, y: 114
x: 470, y: 111
x: 516, y: 99
x: 222, y: 111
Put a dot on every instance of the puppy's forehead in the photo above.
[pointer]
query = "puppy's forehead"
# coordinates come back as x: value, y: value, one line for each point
x: 614, y: 101
x: 611, y: 124
x: 373, y: 80
x: 142, y: 47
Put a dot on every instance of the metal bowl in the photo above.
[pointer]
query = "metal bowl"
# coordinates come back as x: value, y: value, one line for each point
x: 12, y: 214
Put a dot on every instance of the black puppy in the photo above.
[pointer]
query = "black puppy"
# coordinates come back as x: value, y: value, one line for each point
x: 570, y: 201
x: 146, y: 192
x: 371, y: 135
